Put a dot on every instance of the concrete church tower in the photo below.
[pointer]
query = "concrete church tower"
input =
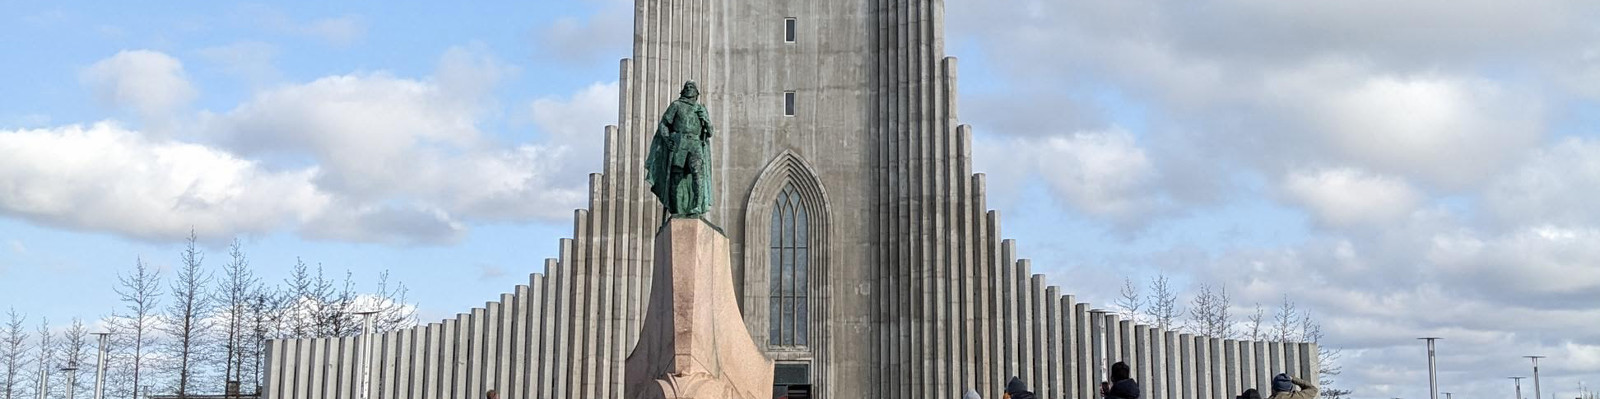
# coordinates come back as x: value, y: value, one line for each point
x: 865, y: 260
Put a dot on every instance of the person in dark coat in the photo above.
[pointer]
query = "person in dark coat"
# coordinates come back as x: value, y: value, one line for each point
x: 1122, y: 384
x: 1016, y: 389
x: 1283, y: 387
x: 1251, y: 393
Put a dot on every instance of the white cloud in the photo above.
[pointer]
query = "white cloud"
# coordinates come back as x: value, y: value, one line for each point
x: 1557, y: 185
x: 1347, y: 197
x: 576, y: 125
x: 1104, y: 174
x: 1450, y: 130
x: 368, y: 157
x: 151, y: 83
x: 1421, y: 139
x: 605, y: 34
x: 106, y: 178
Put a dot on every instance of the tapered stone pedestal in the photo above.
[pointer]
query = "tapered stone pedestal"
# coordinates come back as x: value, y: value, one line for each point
x: 694, y: 343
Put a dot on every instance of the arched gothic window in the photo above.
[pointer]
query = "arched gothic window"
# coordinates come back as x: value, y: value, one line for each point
x: 789, y: 314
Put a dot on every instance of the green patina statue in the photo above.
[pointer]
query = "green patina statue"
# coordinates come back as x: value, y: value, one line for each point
x: 679, y: 165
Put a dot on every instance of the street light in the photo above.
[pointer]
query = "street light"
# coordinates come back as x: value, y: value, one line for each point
x: 100, y: 368
x: 366, y: 353
x: 1535, y: 375
x: 1519, y: 385
x: 72, y: 378
x: 1433, y: 374
x: 1446, y: 395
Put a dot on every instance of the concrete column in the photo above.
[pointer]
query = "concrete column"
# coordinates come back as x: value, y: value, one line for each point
x: 1125, y: 342
x: 319, y: 366
x: 271, y: 365
x: 1055, y: 357
x: 1011, y: 301
x: 1231, y: 363
x: 1219, y: 383
x: 506, y: 344
x: 424, y: 357
x: 1263, y: 367
x: 465, y: 330
x: 1158, y: 365
x: 1083, y: 344
x: 1113, y: 333
x: 1292, y: 359
x: 1025, y: 332
x: 1038, y: 321
x: 1069, y: 349
x: 1247, y: 366
x: 1097, y: 369
x: 1203, y: 367
x: 516, y: 354
x: 445, y: 384
x: 1141, y: 359
x: 349, y: 375
x: 559, y: 376
x: 550, y: 326
x: 1275, y: 360
x: 1186, y: 353
x: 1313, y: 364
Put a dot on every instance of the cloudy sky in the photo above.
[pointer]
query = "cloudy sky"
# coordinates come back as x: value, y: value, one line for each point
x: 1399, y: 169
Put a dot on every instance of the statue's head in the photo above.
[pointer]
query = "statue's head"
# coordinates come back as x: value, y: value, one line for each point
x: 690, y: 90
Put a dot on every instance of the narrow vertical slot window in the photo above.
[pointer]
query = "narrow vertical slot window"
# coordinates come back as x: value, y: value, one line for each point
x: 788, y: 30
x: 788, y: 103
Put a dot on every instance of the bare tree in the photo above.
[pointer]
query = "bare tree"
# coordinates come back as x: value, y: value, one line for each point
x: 141, y: 294
x: 239, y: 286
x: 394, y: 312
x: 1163, y: 304
x: 13, y: 352
x: 303, y: 295
x: 1285, y: 321
x: 266, y: 321
x: 338, y: 317
x: 187, y: 319
x: 45, y: 359
x: 75, y: 348
x: 1327, y: 358
x: 119, y: 363
x: 1255, y: 320
x: 1209, y: 314
x: 1130, y: 302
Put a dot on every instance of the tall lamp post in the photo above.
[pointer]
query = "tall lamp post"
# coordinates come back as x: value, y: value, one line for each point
x: 1446, y: 395
x: 1519, y: 385
x: 1433, y: 371
x: 100, y: 368
x: 72, y: 378
x: 1535, y: 359
x: 366, y: 353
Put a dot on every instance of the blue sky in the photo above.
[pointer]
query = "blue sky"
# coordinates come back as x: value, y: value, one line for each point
x: 1400, y: 169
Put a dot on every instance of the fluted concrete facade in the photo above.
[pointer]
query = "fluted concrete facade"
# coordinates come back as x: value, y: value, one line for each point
x: 914, y: 291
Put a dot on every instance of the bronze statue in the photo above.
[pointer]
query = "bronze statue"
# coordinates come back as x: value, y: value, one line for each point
x: 679, y: 165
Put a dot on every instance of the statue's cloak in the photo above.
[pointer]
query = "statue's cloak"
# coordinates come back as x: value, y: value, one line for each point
x: 680, y: 155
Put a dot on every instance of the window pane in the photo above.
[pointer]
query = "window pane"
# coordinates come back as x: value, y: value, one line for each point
x: 788, y: 30
x: 800, y: 321
x: 800, y: 225
x: 788, y: 103
x: 788, y: 224
x: 773, y: 278
x: 787, y: 333
x: 790, y: 373
x: 800, y: 271
x: 774, y: 330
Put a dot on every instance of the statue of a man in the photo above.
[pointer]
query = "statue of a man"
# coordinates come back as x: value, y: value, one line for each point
x: 679, y: 164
